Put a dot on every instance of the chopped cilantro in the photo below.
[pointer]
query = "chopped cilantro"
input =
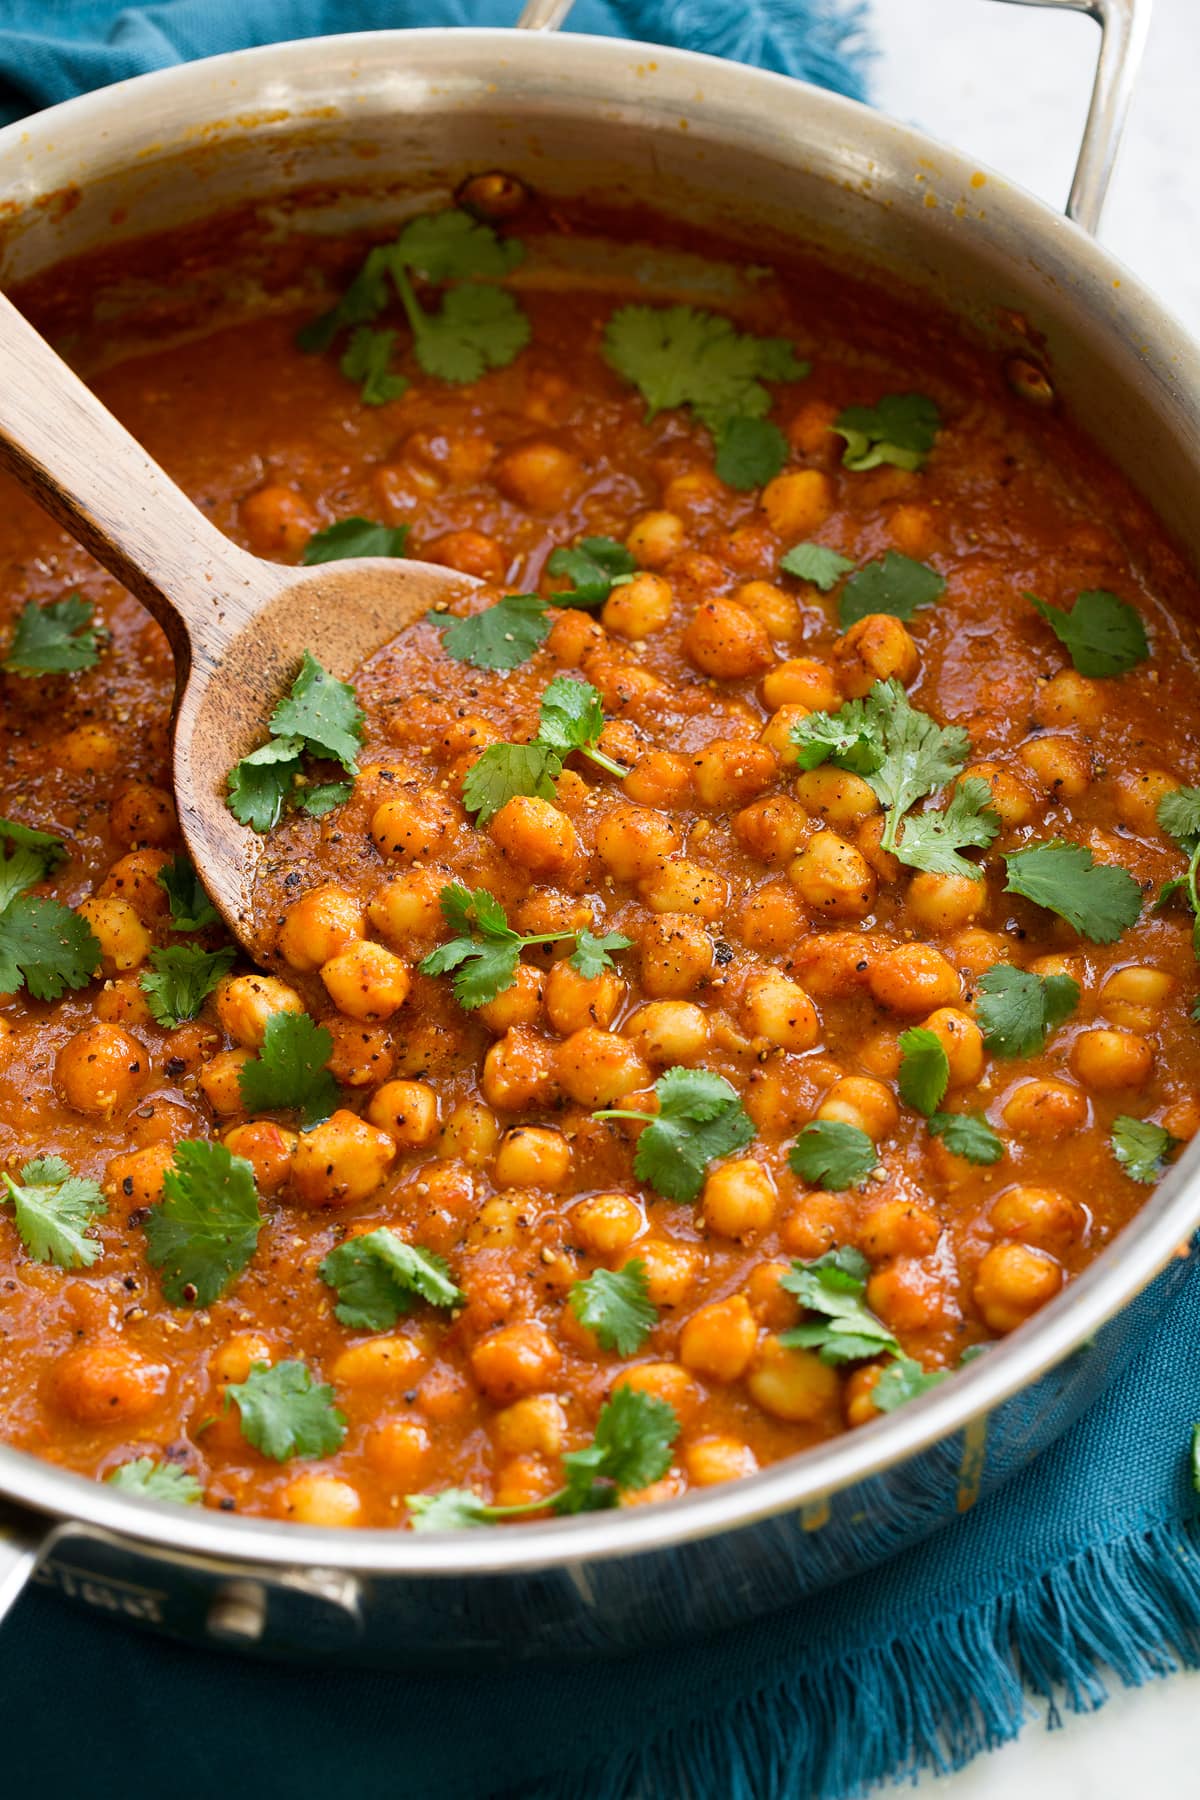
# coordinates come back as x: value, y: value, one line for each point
x: 367, y: 359
x: 592, y: 954
x: 813, y: 562
x: 750, y: 452
x: 1142, y: 1148
x: 205, y: 1229
x: 499, y: 637
x: 1178, y: 813
x: 594, y: 568
x: 53, y: 1209
x: 831, y: 1154
x: 506, y: 770
x: 454, y: 1509
x: 933, y: 840
x: 355, y: 536
x: 285, y: 1413
x: 321, y: 717
x: 1018, y: 1010
x: 379, y: 1277
x: 1102, y: 634
x: 485, y: 951
x: 903, y: 1380
x: 182, y: 979
x: 322, y: 799
x: 924, y: 1069
x: 34, y: 855
x: 56, y: 639
x: 833, y: 1287
x: 1101, y: 900
x: 289, y: 1073
x: 901, y: 430
x: 894, y: 584
x: 262, y: 783
x: 191, y: 908
x: 616, y: 1307
x: 699, y: 1118
x: 45, y: 947
x: 967, y: 1135
x: 478, y: 328
x: 156, y: 1481
x: 572, y: 718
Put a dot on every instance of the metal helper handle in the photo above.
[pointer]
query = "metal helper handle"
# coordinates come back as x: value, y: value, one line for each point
x: 1123, y: 28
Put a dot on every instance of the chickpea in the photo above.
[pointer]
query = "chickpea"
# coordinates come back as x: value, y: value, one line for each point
x: 1060, y: 766
x: 501, y: 1223
x: 470, y: 1133
x: 897, y: 1227
x: 515, y: 1360
x: 220, y: 1080
x: 719, y: 1340
x: 245, y: 1004
x: 794, y: 1384
x: 536, y: 835
x: 1107, y: 1060
x: 231, y: 1362
x: 639, y: 608
x: 606, y: 1224
x: 1009, y: 795
x: 725, y: 641
x: 738, y: 1198
x: 670, y: 1269
x: 89, y: 750
x: 726, y: 773
x: 780, y: 1011
x: 776, y: 734
x: 278, y: 521
x: 518, y: 1004
x: 833, y: 878
x: 776, y: 612
x: 380, y: 1362
x: 136, y: 1176
x: 107, y: 1384
x: 913, y: 531
x: 268, y: 1148
x: 683, y: 886
x: 658, y: 778
x: 574, y: 1000
x: 632, y: 842
x: 536, y: 1425
x: 1068, y: 699
x: 801, y: 681
x: 833, y: 964
x: 913, y: 978
x: 419, y: 826
x: 539, y: 475
x: 316, y: 1499
x: 666, y: 1032
x: 974, y: 950
x: 532, y: 1156
x: 1013, y: 1281
x: 134, y: 878
x: 322, y: 922
x: 902, y: 1295
x: 598, y: 1068
x: 573, y: 636
x: 1138, y: 792
x: 1039, y: 1216
x: 772, y: 919
x: 1133, y: 996
x: 817, y: 1223
x: 407, y: 1111
x: 840, y: 798
x: 99, y: 1070
x: 656, y: 538
x: 365, y: 981
x: 340, y: 1161
x: 859, y: 1394
x: 397, y: 1450
x: 518, y: 1070
x: 962, y: 1040
x: 771, y: 830
x: 797, y: 503
x: 861, y: 1100
x: 1046, y: 1109
x: 876, y: 648
x: 123, y: 939
x: 143, y: 815
x: 405, y: 907
x: 676, y: 955
x: 711, y: 1460
x: 663, y: 1381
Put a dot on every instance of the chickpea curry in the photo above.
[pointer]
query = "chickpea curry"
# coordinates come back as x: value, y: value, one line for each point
x: 734, y: 964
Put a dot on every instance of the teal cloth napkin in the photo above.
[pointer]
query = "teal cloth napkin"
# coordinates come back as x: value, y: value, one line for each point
x: 1084, y: 1568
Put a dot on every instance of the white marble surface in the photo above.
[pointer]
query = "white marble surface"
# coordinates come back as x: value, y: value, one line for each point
x: 1011, y: 85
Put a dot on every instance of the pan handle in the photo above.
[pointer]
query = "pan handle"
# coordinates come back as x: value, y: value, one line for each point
x: 1123, y: 27
x: 22, y: 1540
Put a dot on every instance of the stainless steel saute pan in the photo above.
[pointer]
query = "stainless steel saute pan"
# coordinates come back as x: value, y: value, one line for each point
x: 394, y: 120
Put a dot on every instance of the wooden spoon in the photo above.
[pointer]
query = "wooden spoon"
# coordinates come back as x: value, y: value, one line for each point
x: 238, y: 626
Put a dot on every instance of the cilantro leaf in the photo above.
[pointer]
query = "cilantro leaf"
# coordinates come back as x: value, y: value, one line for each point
x: 924, y: 1069
x: 55, y: 639
x: 355, y: 536
x: 591, y: 954
x: 261, y: 783
x: 933, y: 840
x: 45, y: 946
x: 366, y: 296
x: 967, y: 1135
x: 285, y: 1413
x: 156, y: 1481
x: 813, y: 562
x: 833, y: 1287
x: 630, y: 1450
x: 191, y: 908
x: 454, y: 1509
x: 205, y: 1229
x: 1142, y: 1148
x: 894, y: 584
x: 1102, y: 634
x: 1179, y: 815
x: 183, y: 977
x: 505, y: 770
x: 378, y: 1277
x: 1101, y: 900
x: 453, y: 246
x: 53, y: 1209
x: 903, y: 1380
x: 572, y: 718
x: 833, y: 1155
x: 289, y: 1072
x: 1017, y: 1010
x: 499, y: 637
x: 478, y: 328
x: 324, y: 798
x: 699, y: 1118
x: 323, y: 712
x: 594, y: 568
x: 750, y: 452
x: 485, y: 951
x: 901, y: 430
x: 616, y: 1307
x: 34, y: 855
x: 367, y: 359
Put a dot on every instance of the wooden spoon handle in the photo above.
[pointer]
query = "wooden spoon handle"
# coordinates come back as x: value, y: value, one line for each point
x: 85, y: 469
